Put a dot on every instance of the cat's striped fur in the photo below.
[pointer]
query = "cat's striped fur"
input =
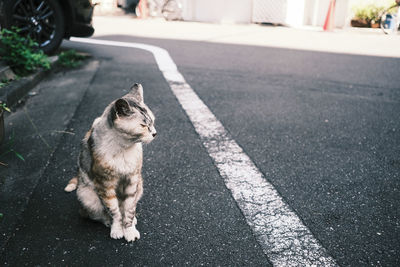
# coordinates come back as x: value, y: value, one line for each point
x: 109, y: 182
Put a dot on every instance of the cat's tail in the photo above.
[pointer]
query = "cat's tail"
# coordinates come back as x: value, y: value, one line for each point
x: 72, y: 184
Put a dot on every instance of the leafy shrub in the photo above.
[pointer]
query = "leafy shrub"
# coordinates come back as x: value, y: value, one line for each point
x: 370, y: 11
x: 4, y: 107
x: 70, y: 59
x: 21, y: 53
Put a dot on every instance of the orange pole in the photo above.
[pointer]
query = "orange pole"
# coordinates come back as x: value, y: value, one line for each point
x: 329, y: 24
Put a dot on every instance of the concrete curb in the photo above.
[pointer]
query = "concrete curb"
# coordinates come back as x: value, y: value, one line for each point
x: 13, y: 92
x: 5, y: 72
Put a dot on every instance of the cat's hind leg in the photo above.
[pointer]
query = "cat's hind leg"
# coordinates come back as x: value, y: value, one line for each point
x: 91, y: 205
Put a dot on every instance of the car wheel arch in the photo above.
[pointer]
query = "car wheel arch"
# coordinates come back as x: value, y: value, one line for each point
x: 68, y: 16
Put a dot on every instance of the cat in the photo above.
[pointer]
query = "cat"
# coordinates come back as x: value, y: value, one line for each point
x: 109, y: 182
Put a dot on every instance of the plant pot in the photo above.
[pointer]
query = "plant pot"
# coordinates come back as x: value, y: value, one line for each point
x: 360, y: 23
x: 1, y: 125
x: 375, y: 25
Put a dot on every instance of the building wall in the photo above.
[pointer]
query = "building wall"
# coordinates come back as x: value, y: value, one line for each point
x: 232, y: 11
x: 270, y: 11
x: 294, y: 13
x: 316, y: 11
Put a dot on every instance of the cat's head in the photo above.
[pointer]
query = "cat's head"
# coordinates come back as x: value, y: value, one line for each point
x: 132, y: 118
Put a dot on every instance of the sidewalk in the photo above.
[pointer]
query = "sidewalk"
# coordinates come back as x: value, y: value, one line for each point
x: 37, y: 126
x: 347, y: 41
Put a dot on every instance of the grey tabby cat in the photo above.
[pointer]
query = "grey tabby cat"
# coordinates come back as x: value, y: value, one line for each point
x: 109, y: 182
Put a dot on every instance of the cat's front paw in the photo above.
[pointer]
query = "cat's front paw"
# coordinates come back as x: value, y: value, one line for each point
x: 116, y: 232
x: 131, y: 234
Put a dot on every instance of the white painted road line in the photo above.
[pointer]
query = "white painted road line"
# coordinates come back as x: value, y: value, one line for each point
x: 283, y: 237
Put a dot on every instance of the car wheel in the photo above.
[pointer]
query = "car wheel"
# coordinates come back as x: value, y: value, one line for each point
x: 42, y: 20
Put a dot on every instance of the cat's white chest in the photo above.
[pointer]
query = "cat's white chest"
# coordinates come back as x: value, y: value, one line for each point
x: 126, y: 161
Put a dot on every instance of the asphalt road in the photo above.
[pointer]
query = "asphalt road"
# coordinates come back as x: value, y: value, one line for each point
x: 323, y: 128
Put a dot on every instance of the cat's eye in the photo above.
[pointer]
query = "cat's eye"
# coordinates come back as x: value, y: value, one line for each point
x: 143, y: 125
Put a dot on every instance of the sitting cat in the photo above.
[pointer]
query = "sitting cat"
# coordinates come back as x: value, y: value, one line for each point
x: 109, y: 182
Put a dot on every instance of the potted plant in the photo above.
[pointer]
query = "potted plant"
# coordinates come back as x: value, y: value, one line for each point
x: 367, y: 15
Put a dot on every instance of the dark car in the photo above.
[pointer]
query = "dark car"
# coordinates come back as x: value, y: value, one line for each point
x: 48, y: 21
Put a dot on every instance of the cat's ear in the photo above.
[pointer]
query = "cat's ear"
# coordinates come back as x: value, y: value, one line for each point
x: 137, y: 91
x: 122, y: 107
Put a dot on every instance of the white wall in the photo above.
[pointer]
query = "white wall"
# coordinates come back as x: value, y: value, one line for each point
x: 316, y: 11
x: 270, y: 11
x: 295, y: 12
x: 289, y: 12
x: 231, y: 11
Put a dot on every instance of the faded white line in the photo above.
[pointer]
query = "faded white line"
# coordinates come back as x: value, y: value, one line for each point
x: 282, y: 235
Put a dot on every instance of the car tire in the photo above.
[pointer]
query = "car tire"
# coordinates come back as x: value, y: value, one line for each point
x: 42, y: 20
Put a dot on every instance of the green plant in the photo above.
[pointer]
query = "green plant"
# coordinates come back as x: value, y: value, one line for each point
x: 70, y: 59
x: 21, y: 53
x: 4, y: 106
x: 370, y: 12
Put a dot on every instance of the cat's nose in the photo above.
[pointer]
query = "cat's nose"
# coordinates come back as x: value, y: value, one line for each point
x: 154, y: 134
